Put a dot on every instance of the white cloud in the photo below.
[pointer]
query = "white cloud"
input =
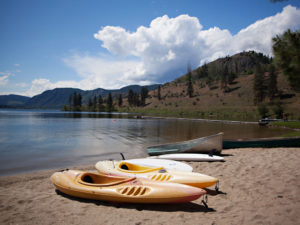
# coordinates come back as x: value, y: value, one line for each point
x: 3, y: 80
x: 162, y: 50
x: 4, y: 77
x: 22, y: 85
x: 40, y: 85
x: 168, y: 44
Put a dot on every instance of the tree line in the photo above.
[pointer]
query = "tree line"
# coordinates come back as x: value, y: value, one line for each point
x: 108, y: 104
x: 94, y: 104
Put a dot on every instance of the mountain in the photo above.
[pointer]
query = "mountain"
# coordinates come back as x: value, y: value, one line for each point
x: 52, y: 99
x: 58, y: 97
x: 13, y: 100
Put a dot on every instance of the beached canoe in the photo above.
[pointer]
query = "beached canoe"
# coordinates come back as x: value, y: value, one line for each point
x: 122, y: 189
x: 196, y: 157
x: 122, y: 168
x: 201, y: 145
x: 262, y: 143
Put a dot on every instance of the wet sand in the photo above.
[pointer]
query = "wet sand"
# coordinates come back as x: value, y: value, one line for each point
x: 258, y: 186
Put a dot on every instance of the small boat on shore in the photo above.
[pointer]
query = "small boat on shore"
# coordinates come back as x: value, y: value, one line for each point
x: 165, y: 163
x: 126, y: 169
x: 196, y: 157
x: 208, y: 144
x: 122, y: 189
x: 262, y: 143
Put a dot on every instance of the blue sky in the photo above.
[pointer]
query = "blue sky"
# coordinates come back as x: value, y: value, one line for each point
x: 110, y: 44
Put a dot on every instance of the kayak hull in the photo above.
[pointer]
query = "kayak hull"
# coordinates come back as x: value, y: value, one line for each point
x: 120, y: 189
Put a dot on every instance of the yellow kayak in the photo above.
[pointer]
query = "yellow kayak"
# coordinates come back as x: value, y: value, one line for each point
x: 122, y: 189
x: 123, y: 168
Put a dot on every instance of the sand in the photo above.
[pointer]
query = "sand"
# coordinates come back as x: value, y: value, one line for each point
x: 258, y: 186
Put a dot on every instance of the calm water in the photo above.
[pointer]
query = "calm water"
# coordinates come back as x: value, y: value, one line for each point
x: 36, y: 140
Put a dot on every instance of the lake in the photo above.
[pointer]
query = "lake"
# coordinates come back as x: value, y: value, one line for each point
x: 33, y: 140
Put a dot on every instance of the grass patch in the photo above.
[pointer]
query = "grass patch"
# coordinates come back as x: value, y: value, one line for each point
x: 292, y: 134
x: 289, y: 124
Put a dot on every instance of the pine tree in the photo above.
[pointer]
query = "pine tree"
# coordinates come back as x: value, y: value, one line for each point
x: 286, y: 50
x: 158, y: 93
x: 94, y: 103
x: 136, y: 99
x: 203, y: 71
x: 79, y: 101
x: 272, y: 88
x: 109, y: 103
x: 225, y: 79
x: 120, y: 101
x: 259, y: 85
x: 190, y: 89
x: 100, y: 103
x: 144, y: 95
x: 90, y: 104
x: 70, y: 102
x: 74, y: 100
x: 130, y: 97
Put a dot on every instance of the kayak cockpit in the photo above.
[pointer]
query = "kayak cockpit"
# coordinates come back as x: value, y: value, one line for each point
x: 134, y: 168
x: 98, y: 180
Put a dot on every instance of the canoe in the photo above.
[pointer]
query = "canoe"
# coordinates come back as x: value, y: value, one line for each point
x: 262, y: 143
x: 203, y: 144
x: 191, y: 157
x: 122, y: 189
x: 121, y: 168
x: 165, y: 163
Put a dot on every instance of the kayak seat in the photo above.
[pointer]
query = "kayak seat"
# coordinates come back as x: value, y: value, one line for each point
x: 93, y: 179
x: 134, y: 168
x: 88, y: 179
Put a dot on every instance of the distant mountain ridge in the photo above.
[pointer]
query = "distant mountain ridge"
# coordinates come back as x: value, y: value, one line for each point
x: 13, y: 100
x: 58, y: 97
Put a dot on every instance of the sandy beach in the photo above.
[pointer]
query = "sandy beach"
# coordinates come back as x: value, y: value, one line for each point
x: 258, y: 186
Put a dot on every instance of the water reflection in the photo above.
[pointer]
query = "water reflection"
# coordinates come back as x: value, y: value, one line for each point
x: 34, y: 140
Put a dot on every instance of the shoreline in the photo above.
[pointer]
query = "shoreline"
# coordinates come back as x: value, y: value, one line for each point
x: 258, y: 186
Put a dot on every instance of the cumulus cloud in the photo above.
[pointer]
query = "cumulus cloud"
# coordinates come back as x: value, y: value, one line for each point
x: 105, y: 71
x: 168, y: 44
x: 161, y: 51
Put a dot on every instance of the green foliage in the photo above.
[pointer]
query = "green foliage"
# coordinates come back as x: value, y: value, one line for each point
x: 133, y: 98
x: 278, y: 110
x: 76, y: 99
x: 144, y: 95
x: 130, y: 97
x: 292, y: 134
x: 109, y: 103
x: 272, y: 87
x: 224, y: 78
x: 120, y: 100
x: 263, y: 110
x: 190, y: 89
x: 203, y: 71
x: 158, y: 93
x: 100, y: 104
x: 90, y: 104
x: 259, y: 85
x: 289, y: 124
x: 286, y: 50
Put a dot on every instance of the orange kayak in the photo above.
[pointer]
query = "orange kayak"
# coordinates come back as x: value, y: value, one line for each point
x: 122, y: 189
